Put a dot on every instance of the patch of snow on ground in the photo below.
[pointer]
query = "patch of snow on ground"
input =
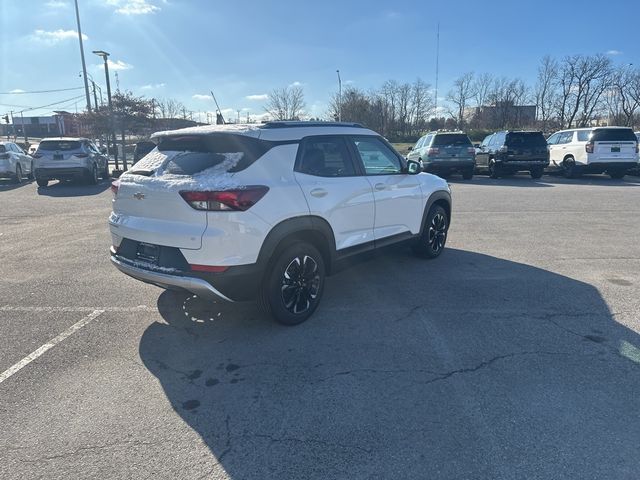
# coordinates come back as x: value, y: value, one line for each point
x: 213, y: 178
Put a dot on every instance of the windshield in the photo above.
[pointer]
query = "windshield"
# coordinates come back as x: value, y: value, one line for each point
x: 63, y: 145
x: 526, y: 139
x: 451, y: 139
x: 613, y: 135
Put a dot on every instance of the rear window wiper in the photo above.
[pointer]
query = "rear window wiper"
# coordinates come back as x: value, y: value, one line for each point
x: 143, y: 172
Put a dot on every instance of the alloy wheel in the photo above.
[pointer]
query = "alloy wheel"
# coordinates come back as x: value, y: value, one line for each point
x: 300, y: 284
x: 437, y: 232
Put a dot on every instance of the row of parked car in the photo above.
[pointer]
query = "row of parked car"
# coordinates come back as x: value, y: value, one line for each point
x: 611, y: 150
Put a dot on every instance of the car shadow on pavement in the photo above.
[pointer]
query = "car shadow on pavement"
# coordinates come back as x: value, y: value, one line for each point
x: 469, y: 366
x: 8, y: 185
x: 593, y: 180
x: 509, y: 181
x: 73, y: 189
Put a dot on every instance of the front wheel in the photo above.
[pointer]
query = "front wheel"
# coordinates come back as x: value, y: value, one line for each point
x: 293, y: 284
x: 494, y: 170
x: 17, y: 178
x: 42, y: 182
x: 536, y: 172
x: 434, y: 233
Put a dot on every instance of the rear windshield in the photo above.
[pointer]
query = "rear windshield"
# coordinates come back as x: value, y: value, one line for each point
x: 526, y: 139
x: 613, y: 135
x: 206, y: 151
x: 59, y: 145
x: 451, y: 139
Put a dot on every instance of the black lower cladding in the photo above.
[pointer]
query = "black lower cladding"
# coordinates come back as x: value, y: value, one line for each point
x: 448, y: 166
x: 239, y: 283
x: 60, y: 173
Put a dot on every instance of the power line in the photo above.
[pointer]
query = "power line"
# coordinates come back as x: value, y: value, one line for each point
x: 66, y: 100
x: 42, y: 91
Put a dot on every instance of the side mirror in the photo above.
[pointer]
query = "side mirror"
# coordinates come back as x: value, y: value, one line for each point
x: 409, y: 149
x: 414, y: 167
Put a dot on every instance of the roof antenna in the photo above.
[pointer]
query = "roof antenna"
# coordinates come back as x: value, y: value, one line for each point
x: 219, y: 117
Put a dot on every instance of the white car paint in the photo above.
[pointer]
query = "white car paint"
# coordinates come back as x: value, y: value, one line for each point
x: 12, y: 156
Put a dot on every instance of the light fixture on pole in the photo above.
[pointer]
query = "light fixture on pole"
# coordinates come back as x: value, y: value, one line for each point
x: 84, y: 65
x: 105, y: 56
x: 339, y: 96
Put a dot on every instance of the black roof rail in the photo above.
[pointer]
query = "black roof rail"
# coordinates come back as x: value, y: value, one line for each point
x: 296, y: 124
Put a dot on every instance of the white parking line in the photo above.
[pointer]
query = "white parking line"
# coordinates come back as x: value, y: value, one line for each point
x: 140, y: 308
x: 50, y: 344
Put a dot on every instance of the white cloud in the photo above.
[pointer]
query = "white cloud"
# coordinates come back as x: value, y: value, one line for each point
x: 55, y: 36
x: 17, y: 90
x: 114, y: 65
x: 613, y: 52
x: 133, y: 7
x: 152, y: 86
x: 57, y: 4
x: 260, y: 96
x: 296, y: 84
x: 199, y: 96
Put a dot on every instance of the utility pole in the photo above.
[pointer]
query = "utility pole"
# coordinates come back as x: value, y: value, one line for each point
x: 238, y: 115
x: 437, y: 66
x: 112, y: 135
x: 13, y: 125
x: 95, y: 97
x: 24, y: 128
x: 339, y: 96
x: 84, y: 65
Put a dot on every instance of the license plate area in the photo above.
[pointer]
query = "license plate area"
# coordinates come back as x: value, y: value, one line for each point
x: 148, y: 253
x: 58, y: 156
x: 615, y: 149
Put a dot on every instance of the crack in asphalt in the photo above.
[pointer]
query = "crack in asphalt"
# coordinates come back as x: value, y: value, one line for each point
x: 79, y: 450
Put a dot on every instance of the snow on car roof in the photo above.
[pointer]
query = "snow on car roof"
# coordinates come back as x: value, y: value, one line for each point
x: 240, y: 129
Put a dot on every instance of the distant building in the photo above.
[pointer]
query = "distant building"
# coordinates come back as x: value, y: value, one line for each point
x: 61, y: 123
x: 501, y: 115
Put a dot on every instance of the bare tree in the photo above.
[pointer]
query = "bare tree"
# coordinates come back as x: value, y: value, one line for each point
x: 481, y: 88
x: 546, y: 90
x: 286, y: 103
x: 582, y: 80
x: 460, y: 95
x: 624, y: 97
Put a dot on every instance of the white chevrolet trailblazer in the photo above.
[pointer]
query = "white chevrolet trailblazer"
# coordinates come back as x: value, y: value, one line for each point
x: 241, y: 212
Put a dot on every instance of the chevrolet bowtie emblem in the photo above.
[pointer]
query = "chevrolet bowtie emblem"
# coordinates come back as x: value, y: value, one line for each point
x: 138, y: 195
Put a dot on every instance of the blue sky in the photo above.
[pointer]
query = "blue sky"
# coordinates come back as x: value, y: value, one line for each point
x: 243, y: 49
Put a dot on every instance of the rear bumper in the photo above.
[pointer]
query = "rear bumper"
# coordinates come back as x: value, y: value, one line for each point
x: 238, y: 283
x: 448, y: 165
x: 197, y: 286
x: 60, y: 173
x: 517, y: 165
x: 599, y: 167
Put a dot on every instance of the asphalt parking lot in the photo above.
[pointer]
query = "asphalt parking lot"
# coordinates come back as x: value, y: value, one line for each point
x: 516, y: 354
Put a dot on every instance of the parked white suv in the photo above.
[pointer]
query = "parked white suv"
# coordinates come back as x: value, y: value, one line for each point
x: 266, y: 212
x: 613, y: 150
x: 14, y: 163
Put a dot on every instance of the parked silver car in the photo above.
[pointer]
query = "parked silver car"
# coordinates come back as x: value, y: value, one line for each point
x: 14, y: 163
x: 69, y: 158
x: 445, y: 152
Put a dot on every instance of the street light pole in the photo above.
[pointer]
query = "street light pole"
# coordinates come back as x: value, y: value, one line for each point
x: 84, y: 65
x: 339, y: 96
x: 104, y: 56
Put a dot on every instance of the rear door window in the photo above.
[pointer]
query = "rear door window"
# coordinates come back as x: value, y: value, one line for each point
x: 326, y: 157
x: 192, y: 154
x: 583, y: 135
x: 613, y: 135
x: 451, y: 139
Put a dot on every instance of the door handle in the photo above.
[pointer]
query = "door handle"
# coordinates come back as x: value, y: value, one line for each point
x: 319, y: 192
x: 380, y: 186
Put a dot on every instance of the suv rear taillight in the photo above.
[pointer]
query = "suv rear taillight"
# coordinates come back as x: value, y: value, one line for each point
x: 227, y: 200
x: 114, y: 187
x: 588, y: 147
x: 637, y: 147
x: 471, y: 150
x: 4, y: 156
x: 433, y: 151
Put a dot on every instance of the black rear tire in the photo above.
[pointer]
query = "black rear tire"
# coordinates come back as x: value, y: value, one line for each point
x: 42, y: 183
x: 617, y: 174
x: 433, y: 238
x: 467, y: 174
x: 293, y: 284
x: 536, y: 172
x: 105, y: 173
x: 92, y: 175
x: 569, y: 168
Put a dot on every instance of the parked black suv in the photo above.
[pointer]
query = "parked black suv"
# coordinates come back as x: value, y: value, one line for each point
x: 508, y: 152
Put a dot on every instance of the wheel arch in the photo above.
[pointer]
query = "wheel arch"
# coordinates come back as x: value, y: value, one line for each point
x: 311, y: 229
x: 441, y: 198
